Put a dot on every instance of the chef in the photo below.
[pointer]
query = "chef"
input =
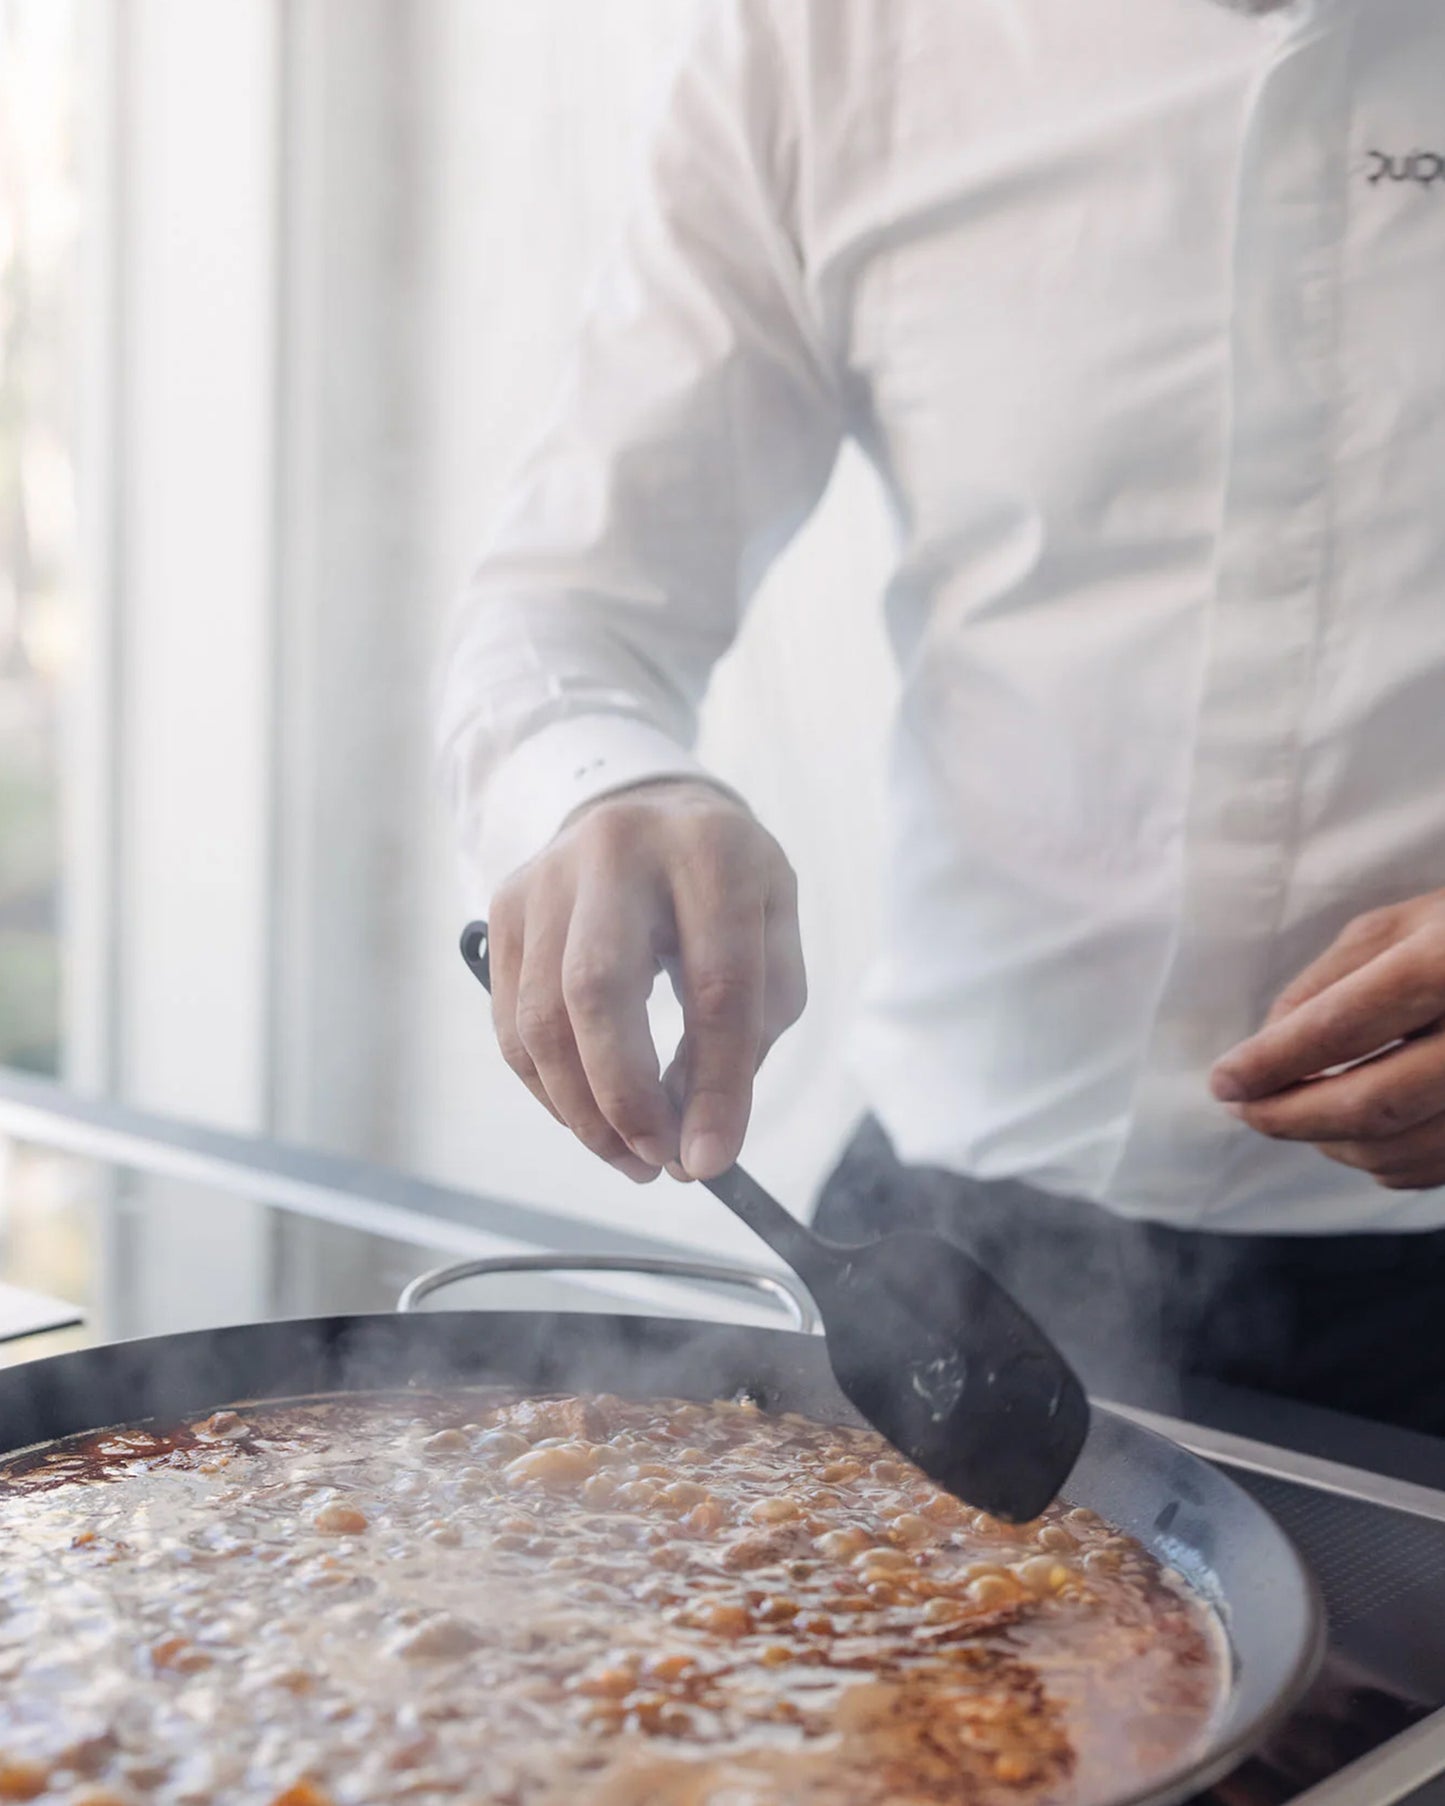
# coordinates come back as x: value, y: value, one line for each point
x: 1136, y: 308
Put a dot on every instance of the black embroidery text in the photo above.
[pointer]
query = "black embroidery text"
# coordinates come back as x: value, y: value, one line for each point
x: 1424, y: 168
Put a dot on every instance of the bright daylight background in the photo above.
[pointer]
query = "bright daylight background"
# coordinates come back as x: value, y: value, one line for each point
x: 284, y: 284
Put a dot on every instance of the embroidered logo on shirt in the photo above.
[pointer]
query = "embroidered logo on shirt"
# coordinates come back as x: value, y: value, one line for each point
x: 1425, y: 168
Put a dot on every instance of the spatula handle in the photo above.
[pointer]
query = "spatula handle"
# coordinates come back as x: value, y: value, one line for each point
x: 810, y: 1257
x: 477, y: 955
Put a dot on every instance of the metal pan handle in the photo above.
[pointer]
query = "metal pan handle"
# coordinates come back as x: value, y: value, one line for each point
x: 777, y: 1286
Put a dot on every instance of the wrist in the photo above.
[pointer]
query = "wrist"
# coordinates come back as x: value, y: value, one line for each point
x: 681, y: 790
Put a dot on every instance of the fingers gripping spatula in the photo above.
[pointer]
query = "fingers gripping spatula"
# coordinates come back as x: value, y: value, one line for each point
x: 931, y: 1350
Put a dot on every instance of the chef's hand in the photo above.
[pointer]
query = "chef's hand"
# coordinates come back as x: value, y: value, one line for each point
x: 672, y: 875
x: 1379, y: 991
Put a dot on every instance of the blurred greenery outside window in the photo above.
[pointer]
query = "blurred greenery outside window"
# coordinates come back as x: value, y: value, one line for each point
x: 39, y: 219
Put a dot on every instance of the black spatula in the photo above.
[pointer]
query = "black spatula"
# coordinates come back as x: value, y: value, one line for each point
x: 930, y: 1349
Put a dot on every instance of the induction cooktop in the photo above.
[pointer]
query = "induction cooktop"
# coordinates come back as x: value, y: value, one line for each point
x: 1371, y: 1731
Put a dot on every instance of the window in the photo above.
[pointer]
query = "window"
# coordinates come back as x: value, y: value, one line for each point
x: 335, y: 254
x: 39, y: 212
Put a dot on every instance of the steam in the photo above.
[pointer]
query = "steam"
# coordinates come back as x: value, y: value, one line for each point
x: 1135, y: 1307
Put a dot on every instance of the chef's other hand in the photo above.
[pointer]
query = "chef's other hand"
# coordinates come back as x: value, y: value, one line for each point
x: 1378, y: 996
x: 673, y: 876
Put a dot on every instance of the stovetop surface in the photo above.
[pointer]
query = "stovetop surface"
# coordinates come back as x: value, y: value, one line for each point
x: 1382, y: 1573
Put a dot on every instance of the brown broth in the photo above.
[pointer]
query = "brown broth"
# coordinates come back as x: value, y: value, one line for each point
x: 469, y: 1597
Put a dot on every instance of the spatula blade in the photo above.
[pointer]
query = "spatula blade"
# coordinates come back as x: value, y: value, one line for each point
x: 958, y: 1377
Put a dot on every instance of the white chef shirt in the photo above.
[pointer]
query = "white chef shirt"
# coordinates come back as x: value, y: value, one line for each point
x: 1139, y: 310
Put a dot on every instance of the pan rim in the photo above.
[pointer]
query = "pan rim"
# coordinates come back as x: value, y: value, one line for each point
x: 1193, y: 1778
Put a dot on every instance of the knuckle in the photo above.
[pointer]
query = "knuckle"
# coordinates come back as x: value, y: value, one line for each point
x: 609, y: 827
x: 592, y: 986
x: 542, y: 1024
x: 740, y: 834
x: 700, y: 860
x: 1385, y: 1170
x: 782, y: 879
x: 504, y: 947
x: 616, y: 837
x: 516, y: 1055
x: 1334, y: 1021
x: 597, y: 1137
x: 628, y: 1108
x: 1423, y: 950
x: 590, y: 1128
x: 1373, y: 925
x: 509, y: 902
x: 706, y: 803
x: 1425, y: 996
x: 722, y: 1110
x: 721, y: 997
x: 719, y: 836
x: 1375, y: 1119
x: 785, y: 877
x: 1376, y: 1151
x: 622, y: 1092
x: 507, y: 914
x: 1247, y: 1071
x: 1405, y: 1181
x: 1430, y: 942
x: 1262, y: 1119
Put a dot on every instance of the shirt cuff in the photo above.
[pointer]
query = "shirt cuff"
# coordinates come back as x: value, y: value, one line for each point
x: 558, y: 769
